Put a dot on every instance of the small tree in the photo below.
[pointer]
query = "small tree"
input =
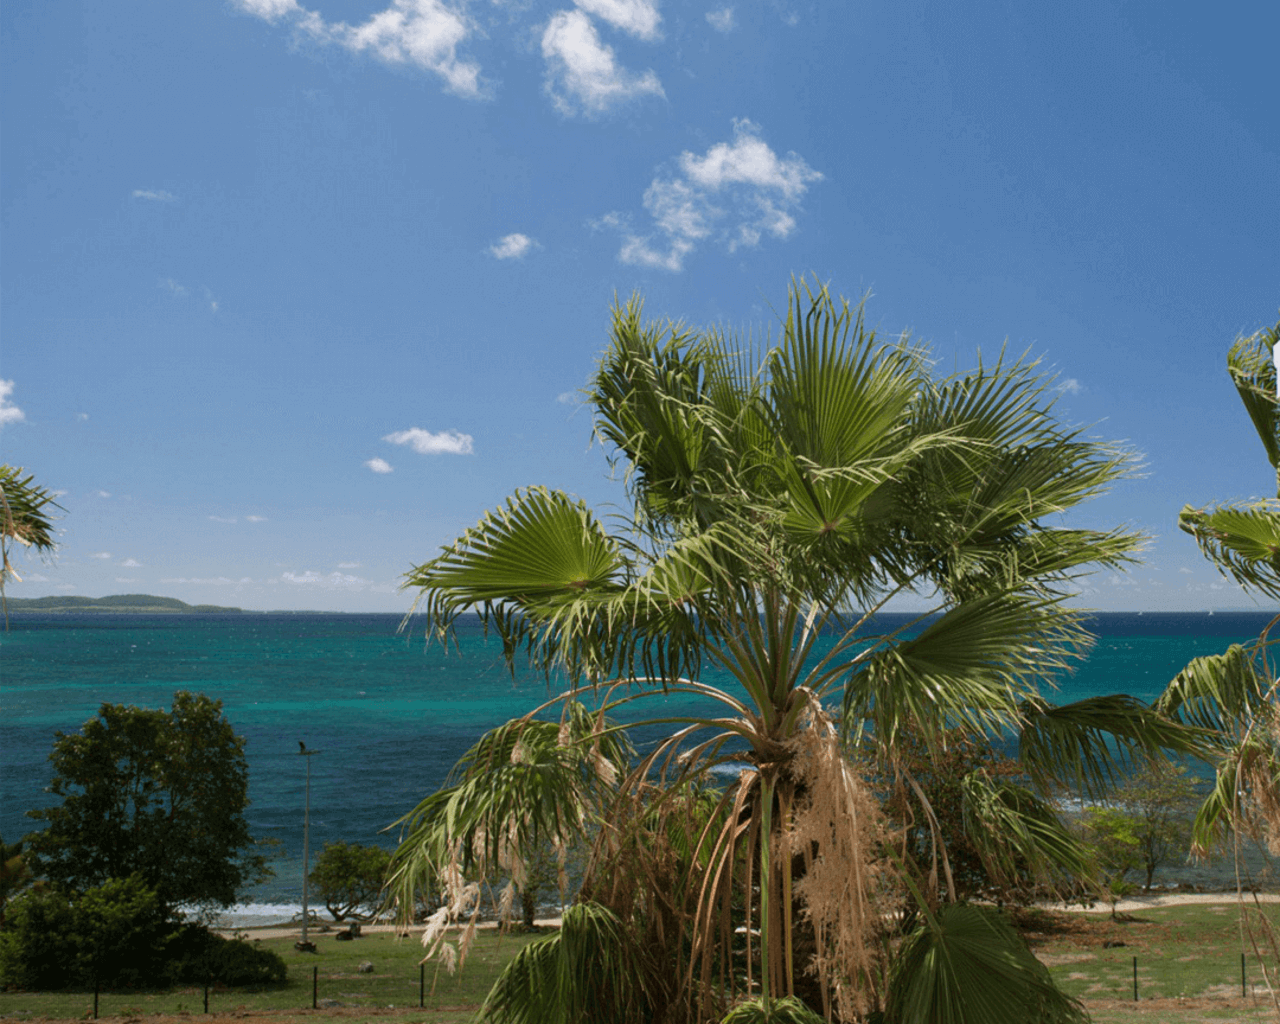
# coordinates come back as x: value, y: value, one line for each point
x: 349, y: 878
x: 1114, y: 836
x: 160, y: 794
x: 1162, y: 800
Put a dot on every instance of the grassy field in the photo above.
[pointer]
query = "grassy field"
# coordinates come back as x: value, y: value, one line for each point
x: 393, y: 983
x: 1182, y: 952
x: 1188, y: 973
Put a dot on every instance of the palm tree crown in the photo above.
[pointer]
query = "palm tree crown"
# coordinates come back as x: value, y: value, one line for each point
x: 782, y: 494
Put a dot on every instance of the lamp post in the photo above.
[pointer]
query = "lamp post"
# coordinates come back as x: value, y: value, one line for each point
x: 306, y: 838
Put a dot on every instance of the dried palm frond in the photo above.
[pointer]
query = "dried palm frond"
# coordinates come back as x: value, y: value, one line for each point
x: 838, y: 830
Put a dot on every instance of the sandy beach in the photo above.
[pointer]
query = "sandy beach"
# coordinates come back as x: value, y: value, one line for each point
x: 1133, y: 904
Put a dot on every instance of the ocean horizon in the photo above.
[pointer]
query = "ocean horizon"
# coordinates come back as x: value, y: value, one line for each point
x: 388, y: 713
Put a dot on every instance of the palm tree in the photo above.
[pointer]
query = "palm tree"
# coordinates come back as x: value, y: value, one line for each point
x: 782, y: 495
x: 23, y: 518
x: 1235, y: 696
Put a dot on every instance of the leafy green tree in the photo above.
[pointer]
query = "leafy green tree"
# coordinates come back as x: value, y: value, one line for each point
x: 1163, y: 801
x: 1116, y: 840
x: 14, y: 873
x: 114, y: 935
x: 152, y: 793
x: 349, y: 878
x: 782, y: 494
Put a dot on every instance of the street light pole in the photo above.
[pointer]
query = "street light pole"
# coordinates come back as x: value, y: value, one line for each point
x: 306, y: 837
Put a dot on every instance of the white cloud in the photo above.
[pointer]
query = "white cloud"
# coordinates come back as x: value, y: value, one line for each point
x: 9, y: 413
x: 423, y: 33
x: 271, y: 10
x: 82, y: 416
x: 569, y: 398
x: 748, y: 160
x: 255, y: 519
x: 126, y: 579
x: 332, y: 581
x: 636, y: 17
x: 157, y: 195
x: 1187, y: 571
x: 380, y: 465
x: 426, y: 443
x: 101, y: 554
x: 213, y: 580
x: 102, y: 494
x: 131, y: 563
x: 1070, y: 386
x: 221, y: 519
x: 512, y: 246
x: 35, y: 577
x: 348, y: 565
x: 737, y: 191
x: 173, y: 287
x: 582, y: 73
x: 722, y: 20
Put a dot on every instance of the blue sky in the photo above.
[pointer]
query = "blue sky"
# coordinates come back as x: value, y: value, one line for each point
x: 293, y: 293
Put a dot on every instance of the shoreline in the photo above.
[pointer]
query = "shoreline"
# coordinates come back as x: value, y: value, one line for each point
x: 1129, y: 905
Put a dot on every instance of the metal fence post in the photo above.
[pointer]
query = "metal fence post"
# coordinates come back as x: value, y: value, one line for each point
x: 1135, y: 979
x: 315, y: 985
x: 422, y: 985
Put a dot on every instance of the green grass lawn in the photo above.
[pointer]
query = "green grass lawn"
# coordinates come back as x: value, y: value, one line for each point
x: 393, y: 982
x: 1182, y: 951
x: 1187, y: 951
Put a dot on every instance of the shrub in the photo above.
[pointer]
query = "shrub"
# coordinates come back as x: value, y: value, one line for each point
x: 197, y: 955
x: 114, y: 935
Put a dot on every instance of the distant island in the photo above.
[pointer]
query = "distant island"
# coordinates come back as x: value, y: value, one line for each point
x: 120, y: 604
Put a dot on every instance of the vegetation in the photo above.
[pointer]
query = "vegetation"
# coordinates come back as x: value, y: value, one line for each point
x: 1235, y: 695
x: 1188, y: 968
x: 521, y: 788
x: 1161, y: 800
x: 14, y: 874
x: 782, y: 494
x: 155, y: 794
x: 393, y: 982
x: 24, y: 518
x: 114, y: 934
x: 349, y: 877
x: 1113, y: 836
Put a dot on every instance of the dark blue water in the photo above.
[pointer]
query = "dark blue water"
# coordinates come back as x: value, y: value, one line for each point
x: 388, y: 714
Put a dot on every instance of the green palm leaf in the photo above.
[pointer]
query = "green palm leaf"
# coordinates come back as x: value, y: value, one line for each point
x: 1215, y: 691
x: 1013, y: 828
x: 1242, y: 540
x: 24, y: 510
x: 968, y: 966
x: 1251, y: 364
x: 584, y: 974
x: 1090, y: 743
x: 971, y: 668
x: 523, y: 781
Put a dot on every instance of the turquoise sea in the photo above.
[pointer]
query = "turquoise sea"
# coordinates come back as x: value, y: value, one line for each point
x: 389, y: 714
